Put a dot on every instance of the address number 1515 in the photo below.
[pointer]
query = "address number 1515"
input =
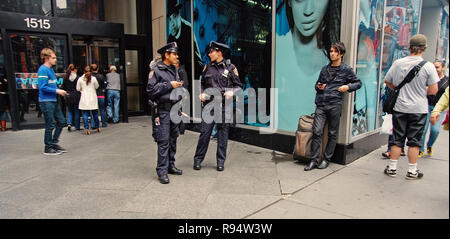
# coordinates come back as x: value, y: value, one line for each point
x: 37, y: 23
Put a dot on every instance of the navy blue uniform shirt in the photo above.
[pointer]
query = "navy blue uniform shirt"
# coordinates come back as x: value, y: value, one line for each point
x: 220, y: 76
x: 158, y: 86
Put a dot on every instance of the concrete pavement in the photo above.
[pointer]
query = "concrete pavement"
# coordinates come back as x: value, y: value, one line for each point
x: 112, y: 175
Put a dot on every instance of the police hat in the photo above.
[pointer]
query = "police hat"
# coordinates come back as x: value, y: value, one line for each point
x: 173, y: 6
x: 171, y: 47
x: 217, y: 46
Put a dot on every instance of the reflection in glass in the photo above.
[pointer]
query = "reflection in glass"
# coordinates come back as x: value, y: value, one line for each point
x: 82, y: 9
x: 26, y: 50
x: 367, y: 65
x: 36, y: 7
x: 401, y: 22
x: 246, y: 26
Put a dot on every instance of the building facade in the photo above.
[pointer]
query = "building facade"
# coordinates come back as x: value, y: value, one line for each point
x: 278, y: 46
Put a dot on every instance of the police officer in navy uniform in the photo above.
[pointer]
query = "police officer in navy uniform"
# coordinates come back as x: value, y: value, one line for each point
x: 222, y: 75
x: 163, y: 78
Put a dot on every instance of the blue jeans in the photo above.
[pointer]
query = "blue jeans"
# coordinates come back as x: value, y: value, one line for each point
x: 94, y: 119
x: 52, y: 111
x: 73, y: 115
x: 101, y: 108
x: 113, y: 101
x: 434, y: 129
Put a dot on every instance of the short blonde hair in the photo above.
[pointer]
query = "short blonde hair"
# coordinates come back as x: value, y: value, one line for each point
x: 46, y: 53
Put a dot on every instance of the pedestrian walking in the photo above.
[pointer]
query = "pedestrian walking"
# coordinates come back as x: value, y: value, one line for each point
x: 441, y: 105
x: 411, y: 107
x: 335, y: 79
x: 163, y: 79
x: 223, y: 76
x: 87, y: 85
x: 432, y: 100
x: 48, y: 90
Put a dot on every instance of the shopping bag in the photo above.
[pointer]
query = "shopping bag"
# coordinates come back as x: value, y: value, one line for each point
x: 386, y: 127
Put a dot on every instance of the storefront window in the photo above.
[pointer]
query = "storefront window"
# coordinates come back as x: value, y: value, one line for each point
x: 401, y: 23
x: 83, y: 9
x: 26, y: 55
x: 305, y: 31
x: 368, y: 65
x: 246, y: 26
x: 442, y: 44
x: 36, y: 7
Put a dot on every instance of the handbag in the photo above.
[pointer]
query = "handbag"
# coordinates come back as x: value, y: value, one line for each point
x: 392, y: 95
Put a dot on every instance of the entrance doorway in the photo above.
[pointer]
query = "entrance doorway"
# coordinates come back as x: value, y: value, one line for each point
x: 95, y: 50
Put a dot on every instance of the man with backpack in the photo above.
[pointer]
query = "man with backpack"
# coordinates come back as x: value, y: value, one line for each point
x: 411, y: 107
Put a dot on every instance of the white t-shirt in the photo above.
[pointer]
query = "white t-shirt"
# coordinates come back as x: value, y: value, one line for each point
x: 413, y: 95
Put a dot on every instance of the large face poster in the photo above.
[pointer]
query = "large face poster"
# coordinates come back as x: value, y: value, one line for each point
x: 305, y: 31
x: 401, y: 23
x: 179, y: 30
x: 245, y: 26
x: 368, y: 65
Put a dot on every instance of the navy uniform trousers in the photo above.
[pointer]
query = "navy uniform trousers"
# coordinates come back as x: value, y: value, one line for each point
x: 166, y: 135
x: 205, y: 136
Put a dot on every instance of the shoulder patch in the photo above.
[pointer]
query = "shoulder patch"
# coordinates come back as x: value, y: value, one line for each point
x: 235, y: 71
x: 150, y: 75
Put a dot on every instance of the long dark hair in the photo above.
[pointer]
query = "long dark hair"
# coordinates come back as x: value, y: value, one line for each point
x: 330, y: 28
x: 87, y: 69
x: 69, y: 70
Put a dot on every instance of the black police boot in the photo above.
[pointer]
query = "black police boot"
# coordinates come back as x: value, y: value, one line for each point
x: 220, y: 168
x: 164, y: 179
x: 324, y: 164
x: 197, y: 166
x: 311, y: 165
x: 175, y: 171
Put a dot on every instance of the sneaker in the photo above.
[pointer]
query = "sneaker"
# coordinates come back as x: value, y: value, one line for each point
x: 387, y: 154
x: 59, y: 148
x: 403, y: 153
x: 420, y: 154
x: 69, y: 128
x: 430, y: 151
x: 414, y: 176
x: 390, y: 172
x: 51, y: 151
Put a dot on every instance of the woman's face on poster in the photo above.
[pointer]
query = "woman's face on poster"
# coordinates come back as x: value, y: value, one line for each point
x: 308, y: 15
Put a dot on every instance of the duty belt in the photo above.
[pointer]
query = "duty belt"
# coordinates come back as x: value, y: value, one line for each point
x: 167, y: 106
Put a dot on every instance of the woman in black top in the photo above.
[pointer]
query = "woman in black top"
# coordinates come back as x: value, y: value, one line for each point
x: 72, y: 97
x: 432, y: 100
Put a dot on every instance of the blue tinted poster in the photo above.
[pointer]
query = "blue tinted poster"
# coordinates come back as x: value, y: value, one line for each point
x: 246, y: 27
x: 305, y: 31
x: 401, y: 23
x: 442, y: 45
x: 367, y: 65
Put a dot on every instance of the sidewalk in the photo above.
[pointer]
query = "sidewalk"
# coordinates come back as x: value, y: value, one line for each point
x: 112, y: 175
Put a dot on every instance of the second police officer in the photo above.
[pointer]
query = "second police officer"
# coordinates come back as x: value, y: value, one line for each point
x: 223, y: 76
x: 163, y: 79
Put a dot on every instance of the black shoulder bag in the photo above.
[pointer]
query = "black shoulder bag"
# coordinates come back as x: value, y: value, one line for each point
x: 392, y: 95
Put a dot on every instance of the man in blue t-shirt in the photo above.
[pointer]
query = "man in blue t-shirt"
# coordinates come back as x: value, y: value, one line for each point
x: 48, y: 90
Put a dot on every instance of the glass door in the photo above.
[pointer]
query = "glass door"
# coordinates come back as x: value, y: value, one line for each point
x: 136, y: 96
x: 26, y: 49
